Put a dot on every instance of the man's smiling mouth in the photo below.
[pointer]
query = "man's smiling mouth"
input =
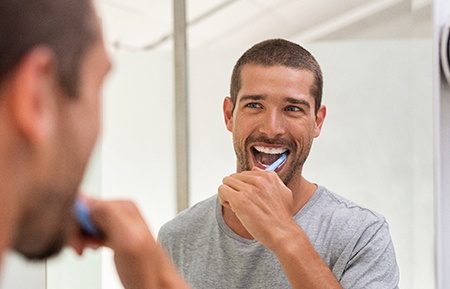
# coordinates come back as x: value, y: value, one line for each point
x: 267, y: 155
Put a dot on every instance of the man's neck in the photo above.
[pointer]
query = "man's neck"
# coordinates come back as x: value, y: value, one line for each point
x: 12, y: 184
x: 8, y: 220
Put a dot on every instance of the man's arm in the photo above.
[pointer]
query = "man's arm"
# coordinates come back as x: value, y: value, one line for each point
x: 141, y: 262
x: 264, y: 206
x: 302, y: 264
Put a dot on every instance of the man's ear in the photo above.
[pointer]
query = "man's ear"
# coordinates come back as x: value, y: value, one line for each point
x: 228, y: 106
x: 32, y: 99
x: 320, y: 118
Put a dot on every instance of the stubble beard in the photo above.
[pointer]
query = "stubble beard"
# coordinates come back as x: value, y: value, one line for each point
x: 299, y: 155
x: 39, y: 236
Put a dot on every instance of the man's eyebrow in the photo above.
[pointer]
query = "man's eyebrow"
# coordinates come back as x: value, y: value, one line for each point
x: 291, y: 100
x: 297, y: 101
x: 252, y: 97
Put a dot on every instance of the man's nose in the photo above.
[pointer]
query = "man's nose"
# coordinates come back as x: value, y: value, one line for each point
x: 272, y: 124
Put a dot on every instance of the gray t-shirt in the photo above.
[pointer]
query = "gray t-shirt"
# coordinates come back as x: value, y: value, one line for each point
x: 353, y: 241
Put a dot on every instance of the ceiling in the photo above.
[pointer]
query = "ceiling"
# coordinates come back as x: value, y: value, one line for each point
x: 147, y: 24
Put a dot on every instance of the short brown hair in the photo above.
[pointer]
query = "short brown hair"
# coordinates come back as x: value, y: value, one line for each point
x: 64, y: 26
x: 274, y: 52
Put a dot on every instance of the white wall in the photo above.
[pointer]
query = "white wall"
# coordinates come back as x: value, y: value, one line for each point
x: 14, y: 270
x: 138, y: 150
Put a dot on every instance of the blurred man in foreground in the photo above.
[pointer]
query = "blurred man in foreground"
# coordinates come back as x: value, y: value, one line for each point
x: 53, y: 63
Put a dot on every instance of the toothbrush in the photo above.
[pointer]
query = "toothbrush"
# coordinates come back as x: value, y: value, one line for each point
x: 277, y: 163
x: 83, y: 216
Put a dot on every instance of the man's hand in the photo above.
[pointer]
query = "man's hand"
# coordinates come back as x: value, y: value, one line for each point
x: 264, y: 206
x: 262, y: 203
x: 140, y: 260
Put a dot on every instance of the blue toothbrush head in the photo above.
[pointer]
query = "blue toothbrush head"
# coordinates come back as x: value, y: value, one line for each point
x: 83, y: 216
x: 277, y: 163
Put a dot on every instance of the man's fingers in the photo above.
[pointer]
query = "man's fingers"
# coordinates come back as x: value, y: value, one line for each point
x: 224, y: 193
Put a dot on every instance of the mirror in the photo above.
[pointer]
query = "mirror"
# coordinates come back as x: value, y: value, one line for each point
x: 376, y: 147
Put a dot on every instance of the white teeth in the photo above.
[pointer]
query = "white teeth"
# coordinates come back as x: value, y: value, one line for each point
x: 270, y: 150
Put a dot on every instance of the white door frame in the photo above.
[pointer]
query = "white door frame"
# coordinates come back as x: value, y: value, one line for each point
x: 442, y: 151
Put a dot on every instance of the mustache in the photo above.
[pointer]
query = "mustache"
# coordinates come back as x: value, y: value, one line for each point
x: 273, y: 141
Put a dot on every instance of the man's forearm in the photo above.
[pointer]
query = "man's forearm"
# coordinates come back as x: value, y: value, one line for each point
x: 303, y: 266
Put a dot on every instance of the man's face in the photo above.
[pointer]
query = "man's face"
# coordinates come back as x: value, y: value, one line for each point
x: 49, y: 218
x: 273, y: 114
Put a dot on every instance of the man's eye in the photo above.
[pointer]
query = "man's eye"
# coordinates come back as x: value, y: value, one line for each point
x: 253, y: 105
x: 293, y: 108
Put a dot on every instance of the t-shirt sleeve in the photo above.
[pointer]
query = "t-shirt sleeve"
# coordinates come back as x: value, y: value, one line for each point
x: 373, y: 262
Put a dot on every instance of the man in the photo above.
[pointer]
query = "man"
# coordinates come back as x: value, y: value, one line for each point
x: 275, y: 229
x: 52, y: 66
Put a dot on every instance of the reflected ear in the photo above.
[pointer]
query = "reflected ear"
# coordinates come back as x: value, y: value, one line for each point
x: 32, y: 95
x: 228, y: 113
x: 320, y: 118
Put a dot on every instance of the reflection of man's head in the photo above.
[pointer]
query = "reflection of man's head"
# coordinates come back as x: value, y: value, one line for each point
x: 275, y: 107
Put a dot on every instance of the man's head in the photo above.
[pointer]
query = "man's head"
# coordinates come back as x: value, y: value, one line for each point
x: 275, y: 107
x: 67, y: 27
x: 52, y: 65
x: 279, y: 52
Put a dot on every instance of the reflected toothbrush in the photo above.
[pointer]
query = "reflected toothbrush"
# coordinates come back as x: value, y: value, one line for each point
x: 277, y: 163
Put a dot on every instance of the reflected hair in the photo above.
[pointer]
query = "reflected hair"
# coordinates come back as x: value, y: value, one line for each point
x: 66, y: 27
x: 279, y: 52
